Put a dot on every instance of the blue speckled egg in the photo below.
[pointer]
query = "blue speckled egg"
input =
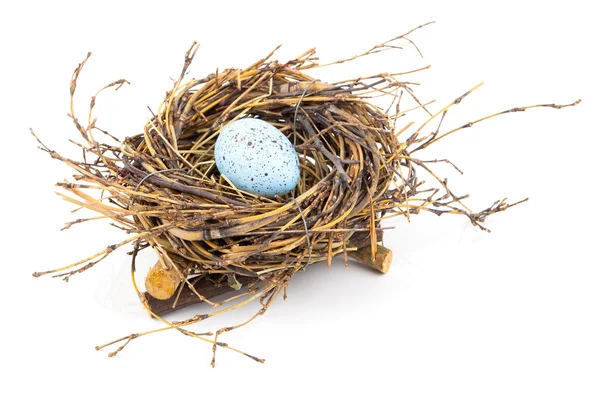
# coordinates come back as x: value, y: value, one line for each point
x: 256, y: 157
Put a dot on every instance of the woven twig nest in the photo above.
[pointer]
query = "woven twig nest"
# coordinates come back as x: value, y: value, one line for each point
x: 163, y: 188
x: 349, y: 157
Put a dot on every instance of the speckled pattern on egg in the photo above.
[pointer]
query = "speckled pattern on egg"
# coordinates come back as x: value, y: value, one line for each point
x: 256, y: 157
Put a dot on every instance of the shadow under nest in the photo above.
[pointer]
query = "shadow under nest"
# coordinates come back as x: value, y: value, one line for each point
x: 162, y: 186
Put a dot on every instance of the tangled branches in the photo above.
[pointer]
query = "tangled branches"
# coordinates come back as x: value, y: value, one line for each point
x: 163, y: 189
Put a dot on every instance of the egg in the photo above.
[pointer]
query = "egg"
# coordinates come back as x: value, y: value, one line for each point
x: 256, y: 157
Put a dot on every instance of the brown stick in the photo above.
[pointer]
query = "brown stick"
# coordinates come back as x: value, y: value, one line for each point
x: 209, y: 289
x: 382, y: 261
x: 161, y: 282
x: 187, y: 297
x: 363, y: 238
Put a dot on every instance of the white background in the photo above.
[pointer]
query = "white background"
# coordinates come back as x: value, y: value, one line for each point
x: 463, y: 316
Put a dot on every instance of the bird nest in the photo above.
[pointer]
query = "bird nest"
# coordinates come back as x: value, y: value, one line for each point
x: 162, y: 186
